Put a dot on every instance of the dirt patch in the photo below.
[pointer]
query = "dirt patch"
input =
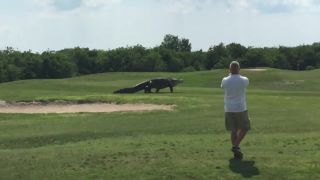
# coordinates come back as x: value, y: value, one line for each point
x: 54, y: 107
x: 256, y: 69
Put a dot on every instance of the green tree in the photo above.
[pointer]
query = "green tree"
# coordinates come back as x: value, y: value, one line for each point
x: 175, y: 43
x: 236, y: 51
x: 184, y: 45
x: 307, y: 57
x: 31, y: 65
x: 57, y: 65
x: 171, y: 42
x: 281, y: 62
x: 214, y: 54
x: 13, y: 72
x: 223, y: 63
x: 153, y: 62
x: 255, y: 57
x: 81, y: 57
x: 198, y: 60
x: 173, y: 63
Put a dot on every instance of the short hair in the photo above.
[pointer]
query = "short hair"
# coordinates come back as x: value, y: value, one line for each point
x: 234, y: 64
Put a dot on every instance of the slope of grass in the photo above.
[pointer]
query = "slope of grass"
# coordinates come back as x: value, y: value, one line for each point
x: 187, y: 143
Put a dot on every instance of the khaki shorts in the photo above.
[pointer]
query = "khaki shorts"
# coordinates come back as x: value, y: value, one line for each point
x: 237, y: 120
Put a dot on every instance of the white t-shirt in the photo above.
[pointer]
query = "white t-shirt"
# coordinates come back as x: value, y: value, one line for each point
x: 235, y: 93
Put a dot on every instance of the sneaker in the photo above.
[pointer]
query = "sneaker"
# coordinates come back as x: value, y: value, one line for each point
x: 237, y: 153
x: 235, y: 149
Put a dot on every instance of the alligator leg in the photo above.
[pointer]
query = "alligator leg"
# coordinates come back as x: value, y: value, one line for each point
x: 147, y: 89
x: 157, y: 90
x: 171, y: 89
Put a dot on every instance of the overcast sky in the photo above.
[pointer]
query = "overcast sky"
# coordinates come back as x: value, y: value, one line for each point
x: 40, y: 25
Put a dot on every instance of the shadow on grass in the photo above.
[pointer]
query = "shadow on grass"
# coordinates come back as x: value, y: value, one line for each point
x: 59, y: 139
x: 245, y: 168
x: 160, y: 92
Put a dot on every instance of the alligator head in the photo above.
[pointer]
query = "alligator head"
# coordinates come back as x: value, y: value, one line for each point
x: 175, y: 81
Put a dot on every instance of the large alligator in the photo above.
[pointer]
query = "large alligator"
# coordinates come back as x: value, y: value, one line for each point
x: 147, y: 86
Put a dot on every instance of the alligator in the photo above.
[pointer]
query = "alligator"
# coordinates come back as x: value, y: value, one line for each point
x: 147, y: 86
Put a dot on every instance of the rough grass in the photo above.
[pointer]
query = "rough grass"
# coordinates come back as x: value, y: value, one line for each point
x: 188, y: 143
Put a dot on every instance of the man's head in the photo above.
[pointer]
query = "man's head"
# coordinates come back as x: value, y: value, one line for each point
x: 234, y: 67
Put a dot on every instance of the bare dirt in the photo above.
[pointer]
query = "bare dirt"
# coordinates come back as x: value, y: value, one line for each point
x: 256, y: 69
x: 42, y: 108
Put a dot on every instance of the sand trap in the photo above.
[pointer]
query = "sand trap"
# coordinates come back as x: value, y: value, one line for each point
x: 256, y: 69
x: 39, y: 108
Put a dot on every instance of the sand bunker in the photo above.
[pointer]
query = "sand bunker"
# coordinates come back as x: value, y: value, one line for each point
x: 39, y: 108
x: 255, y: 69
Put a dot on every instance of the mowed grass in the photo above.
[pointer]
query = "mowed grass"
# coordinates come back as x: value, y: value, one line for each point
x: 187, y: 143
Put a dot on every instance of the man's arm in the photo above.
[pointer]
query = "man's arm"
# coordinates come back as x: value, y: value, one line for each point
x: 222, y: 83
x: 247, y: 82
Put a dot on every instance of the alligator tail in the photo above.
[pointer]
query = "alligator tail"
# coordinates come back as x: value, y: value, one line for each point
x: 126, y: 90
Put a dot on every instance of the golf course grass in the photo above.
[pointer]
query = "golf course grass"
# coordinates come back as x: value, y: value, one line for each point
x: 189, y: 142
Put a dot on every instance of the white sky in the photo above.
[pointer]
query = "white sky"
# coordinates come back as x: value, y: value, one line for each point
x: 106, y: 24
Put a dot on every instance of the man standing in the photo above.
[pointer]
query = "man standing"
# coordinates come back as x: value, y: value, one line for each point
x: 235, y: 106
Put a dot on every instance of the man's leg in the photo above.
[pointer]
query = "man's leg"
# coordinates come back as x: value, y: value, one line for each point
x: 232, y: 124
x: 244, y: 126
x: 235, y: 148
x: 234, y: 136
x: 239, y: 137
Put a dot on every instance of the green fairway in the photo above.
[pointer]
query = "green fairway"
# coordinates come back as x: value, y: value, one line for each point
x: 189, y: 142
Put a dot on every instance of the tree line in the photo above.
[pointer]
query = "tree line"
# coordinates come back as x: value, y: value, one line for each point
x: 173, y: 55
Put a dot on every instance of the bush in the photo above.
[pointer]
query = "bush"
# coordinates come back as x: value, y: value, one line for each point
x: 310, y: 68
x: 188, y: 69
